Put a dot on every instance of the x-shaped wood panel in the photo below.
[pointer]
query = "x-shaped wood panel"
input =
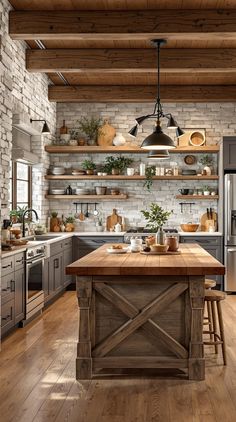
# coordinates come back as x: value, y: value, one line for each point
x: 140, y: 319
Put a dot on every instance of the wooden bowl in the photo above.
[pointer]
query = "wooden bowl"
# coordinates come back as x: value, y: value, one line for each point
x: 159, y: 248
x: 189, y: 227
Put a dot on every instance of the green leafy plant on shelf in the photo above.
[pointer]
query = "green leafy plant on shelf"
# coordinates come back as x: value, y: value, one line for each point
x: 206, y: 160
x: 88, y: 165
x: 156, y: 216
x: 149, y: 173
x: 90, y: 126
x: 116, y: 165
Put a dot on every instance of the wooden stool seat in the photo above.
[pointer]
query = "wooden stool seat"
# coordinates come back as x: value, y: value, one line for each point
x: 213, y: 300
x: 209, y: 284
x: 214, y: 295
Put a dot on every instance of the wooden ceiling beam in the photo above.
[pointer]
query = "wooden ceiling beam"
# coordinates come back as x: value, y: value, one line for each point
x: 145, y: 24
x: 137, y: 93
x: 131, y: 60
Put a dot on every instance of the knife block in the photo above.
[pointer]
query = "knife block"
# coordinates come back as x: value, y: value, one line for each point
x: 207, y: 223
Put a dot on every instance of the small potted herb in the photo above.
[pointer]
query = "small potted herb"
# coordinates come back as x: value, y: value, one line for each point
x: 69, y: 224
x: 90, y: 127
x: 99, y: 225
x: 74, y: 136
x: 207, y: 162
x: 149, y: 173
x: 89, y: 166
x: 156, y: 218
x: 116, y: 165
x: 206, y: 190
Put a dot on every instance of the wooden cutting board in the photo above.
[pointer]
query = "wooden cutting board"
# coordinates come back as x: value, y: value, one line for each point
x: 205, y: 222
x: 113, y: 219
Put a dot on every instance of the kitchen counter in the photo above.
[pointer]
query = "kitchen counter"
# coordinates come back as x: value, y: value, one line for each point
x: 140, y: 311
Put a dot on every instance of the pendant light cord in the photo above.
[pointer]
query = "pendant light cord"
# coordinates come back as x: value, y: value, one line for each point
x: 158, y: 108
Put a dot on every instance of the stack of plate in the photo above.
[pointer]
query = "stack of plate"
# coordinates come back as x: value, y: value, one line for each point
x: 58, y: 170
x: 57, y: 191
x: 82, y: 191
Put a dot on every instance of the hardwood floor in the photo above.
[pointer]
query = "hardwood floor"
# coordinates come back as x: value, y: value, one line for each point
x: 37, y: 379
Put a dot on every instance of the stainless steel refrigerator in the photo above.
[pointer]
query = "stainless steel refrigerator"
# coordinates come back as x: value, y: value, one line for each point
x: 230, y: 231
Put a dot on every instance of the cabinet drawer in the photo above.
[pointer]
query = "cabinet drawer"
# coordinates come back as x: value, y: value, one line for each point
x: 202, y: 240
x: 56, y: 248
x: 8, y: 288
x: 99, y: 241
x: 7, y: 265
x: 67, y: 243
x: 8, y: 317
x: 19, y: 261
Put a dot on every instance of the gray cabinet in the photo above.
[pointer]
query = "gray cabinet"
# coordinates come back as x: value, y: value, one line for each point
x: 213, y: 245
x: 83, y: 245
x: 229, y: 152
x: 12, y: 291
x: 67, y: 259
x: 56, y: 272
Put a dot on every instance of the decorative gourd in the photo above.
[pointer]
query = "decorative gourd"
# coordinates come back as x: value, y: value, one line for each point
x: 106, y: 134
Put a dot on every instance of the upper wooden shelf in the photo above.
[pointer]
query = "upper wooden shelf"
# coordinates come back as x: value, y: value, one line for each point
x: 67, y: 149
x: 124, y: 177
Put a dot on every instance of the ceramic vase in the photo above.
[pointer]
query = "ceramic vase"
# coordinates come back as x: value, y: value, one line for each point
x: 160, y: 236
x: 119, y: 139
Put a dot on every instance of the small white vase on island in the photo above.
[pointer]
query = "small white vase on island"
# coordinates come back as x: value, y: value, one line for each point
x: 119, y: 139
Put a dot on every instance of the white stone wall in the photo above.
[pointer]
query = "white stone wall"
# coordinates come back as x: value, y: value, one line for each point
x: 217, y: 119
x: 21, y: 92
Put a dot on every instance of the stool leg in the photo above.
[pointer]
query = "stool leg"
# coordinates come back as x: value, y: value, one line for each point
x: 209, y: 315
x: 222, y: 333
x: 213, y: 310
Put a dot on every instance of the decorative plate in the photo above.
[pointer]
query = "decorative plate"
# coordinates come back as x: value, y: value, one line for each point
x: 190, y: 159
x: 117, y: 251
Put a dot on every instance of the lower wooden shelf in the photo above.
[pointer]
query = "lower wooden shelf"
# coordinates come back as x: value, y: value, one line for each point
x: 124, y: 177
x: 88, y: 197
x: 209, y: 197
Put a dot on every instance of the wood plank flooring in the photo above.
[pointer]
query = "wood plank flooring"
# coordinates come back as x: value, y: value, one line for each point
x: 37, y: 379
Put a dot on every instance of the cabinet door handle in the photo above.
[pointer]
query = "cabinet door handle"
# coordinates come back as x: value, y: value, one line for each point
x: 56, y: 263
x: 99, y: 241
x: 20, y: 260
x: 12, y: 285
x: 6, y: 266
x: 6, y: 317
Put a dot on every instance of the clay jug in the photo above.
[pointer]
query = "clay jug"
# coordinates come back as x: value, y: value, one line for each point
x: 106, y: 134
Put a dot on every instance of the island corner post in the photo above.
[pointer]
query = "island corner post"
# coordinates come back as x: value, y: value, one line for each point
x: 138, y: 311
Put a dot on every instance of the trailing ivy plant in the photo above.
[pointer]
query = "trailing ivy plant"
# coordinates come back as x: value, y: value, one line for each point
x: 149, y: 173
x: 156, y: 216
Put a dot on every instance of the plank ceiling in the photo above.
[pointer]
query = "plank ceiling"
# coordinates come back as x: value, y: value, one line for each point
x: 205, y: 45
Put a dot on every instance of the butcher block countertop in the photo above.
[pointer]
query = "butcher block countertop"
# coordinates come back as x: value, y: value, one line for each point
x: 193, y: 260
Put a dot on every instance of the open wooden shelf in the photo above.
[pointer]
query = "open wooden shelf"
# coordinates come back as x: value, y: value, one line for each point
x: 124, y: 177
x: 67, y: 149
x: 88, y: 197
x: 210, y: 197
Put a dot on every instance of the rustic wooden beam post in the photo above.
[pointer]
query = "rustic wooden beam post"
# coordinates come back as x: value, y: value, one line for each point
x: 196, y: 352
x: 84, y: 359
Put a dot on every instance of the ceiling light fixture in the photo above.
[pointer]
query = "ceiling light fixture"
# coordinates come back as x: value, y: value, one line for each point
x: 158, y: 140
x: 45, y: 129
x: 159, y: 155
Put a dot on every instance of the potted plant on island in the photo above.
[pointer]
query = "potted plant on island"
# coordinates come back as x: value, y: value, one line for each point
x: 116, y: 165
x: 207, y: 162
x: 90, y: 127
x: 156, y: 217
x: 89, y: 166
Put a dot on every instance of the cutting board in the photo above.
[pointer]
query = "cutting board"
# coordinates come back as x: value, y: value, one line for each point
x: 113, y: 219
x: 106, y: 134
x: 205, y: 222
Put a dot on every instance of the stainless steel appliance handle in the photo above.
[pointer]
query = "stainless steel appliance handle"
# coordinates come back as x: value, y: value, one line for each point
x: 34, y: 261
x: 231, y: 250
x: 228, y: 203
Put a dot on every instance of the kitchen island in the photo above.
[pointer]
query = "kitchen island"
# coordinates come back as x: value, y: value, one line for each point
x: 142, y: 311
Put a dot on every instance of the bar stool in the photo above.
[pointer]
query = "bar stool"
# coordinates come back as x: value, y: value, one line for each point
x: 214, y: 298
x: 209, y: 284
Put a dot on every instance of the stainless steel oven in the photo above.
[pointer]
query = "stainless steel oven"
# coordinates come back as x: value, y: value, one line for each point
x: 34, y: 280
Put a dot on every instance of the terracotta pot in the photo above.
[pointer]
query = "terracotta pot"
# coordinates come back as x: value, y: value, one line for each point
x: 89, y: 172
x: 115, y: 171
x: 69, y: 227
x: 53, y: 223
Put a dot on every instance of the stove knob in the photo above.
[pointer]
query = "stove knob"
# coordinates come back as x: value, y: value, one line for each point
x: 31, y: 253
x: 38, y: 250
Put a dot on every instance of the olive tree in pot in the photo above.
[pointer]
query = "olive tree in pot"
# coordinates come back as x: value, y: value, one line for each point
x: 90, y: 127
x: 156, y: 217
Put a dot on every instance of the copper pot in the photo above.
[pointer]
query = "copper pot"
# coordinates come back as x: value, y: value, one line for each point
x: 173, y: 243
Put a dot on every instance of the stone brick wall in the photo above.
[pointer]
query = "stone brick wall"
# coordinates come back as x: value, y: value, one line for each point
x: 217, y: 119
x: 21, y: 92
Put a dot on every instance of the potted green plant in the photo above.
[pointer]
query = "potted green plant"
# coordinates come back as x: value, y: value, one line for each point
x: 206, y: 190
x: 156, y: 217
x: 74, y: 132
x: 149, y: 173
x: 116, y: 165
x: 89, y: 166
x: 17, y: 214
x: 99, y: 225
x: 90, y: 127
x: 207, y: 162
x: 69, y: 224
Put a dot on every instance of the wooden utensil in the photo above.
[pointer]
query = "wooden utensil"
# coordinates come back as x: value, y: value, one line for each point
x: 206, y: 222
x: 81, y: 214
x: 113, y: 219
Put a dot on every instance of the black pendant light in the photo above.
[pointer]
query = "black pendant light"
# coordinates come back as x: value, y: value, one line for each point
x: 159, y: 155
x: 45, y: 129
x: 157, y: 140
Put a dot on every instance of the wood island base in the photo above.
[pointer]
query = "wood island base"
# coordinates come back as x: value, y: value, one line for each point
x: 140, y: 322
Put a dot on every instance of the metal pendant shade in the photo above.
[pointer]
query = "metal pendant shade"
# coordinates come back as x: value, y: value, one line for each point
x: 45, y: 129
x: 158, y: 141
x: 159, y: 155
